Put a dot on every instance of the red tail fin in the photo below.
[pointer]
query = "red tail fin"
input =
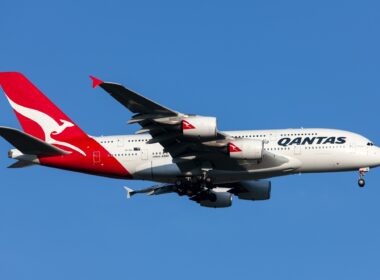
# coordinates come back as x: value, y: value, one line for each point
x: 38, y: 116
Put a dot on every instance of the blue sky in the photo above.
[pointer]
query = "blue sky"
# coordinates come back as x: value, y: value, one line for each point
x: 254, y: 65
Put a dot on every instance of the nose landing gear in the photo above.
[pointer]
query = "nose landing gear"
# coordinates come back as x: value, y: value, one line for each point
x: 361, y: 183
x: 362, y: 172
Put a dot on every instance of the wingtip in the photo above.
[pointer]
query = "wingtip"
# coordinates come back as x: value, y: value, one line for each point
x: 95, y: 81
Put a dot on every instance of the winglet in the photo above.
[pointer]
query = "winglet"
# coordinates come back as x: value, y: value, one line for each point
x: 130, y: 192
x: 95, y: 82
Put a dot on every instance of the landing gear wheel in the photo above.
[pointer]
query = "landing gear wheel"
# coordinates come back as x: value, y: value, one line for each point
x: 361, y: 183
x: 208, y: 180
x: 178, y: 183
x: 362, y: 172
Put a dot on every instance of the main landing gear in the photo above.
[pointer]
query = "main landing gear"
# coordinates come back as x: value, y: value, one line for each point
x: 183, y: 186
x: 191, y: 186
x: 362, y: 172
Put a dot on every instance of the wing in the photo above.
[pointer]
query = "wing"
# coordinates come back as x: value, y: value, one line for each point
x: 193, y: 141
x: 219, y: 197
x: 167, y: 126
x: 136, y: 103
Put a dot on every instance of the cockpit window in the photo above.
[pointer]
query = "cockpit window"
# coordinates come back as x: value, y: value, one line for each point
x: 370, y: 144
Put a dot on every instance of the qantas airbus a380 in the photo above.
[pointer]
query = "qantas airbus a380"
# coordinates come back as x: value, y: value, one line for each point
x: 186, y: 154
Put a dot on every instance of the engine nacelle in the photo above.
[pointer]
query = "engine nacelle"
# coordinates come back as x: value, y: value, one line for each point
x: 199, y: 127
x: 246, y: 149
x: 217, y: 200
x: 254, y: 190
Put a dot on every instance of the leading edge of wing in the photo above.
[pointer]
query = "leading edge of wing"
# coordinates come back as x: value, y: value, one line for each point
x: 133, y: 101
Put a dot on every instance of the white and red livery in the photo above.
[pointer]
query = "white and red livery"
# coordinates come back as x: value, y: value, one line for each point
x: 186, y: 154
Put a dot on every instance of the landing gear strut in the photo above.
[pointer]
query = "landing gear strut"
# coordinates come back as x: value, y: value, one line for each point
x: 191, y: 186
x: 204, y: 181
x: 362, y: 172
x: 182, y: 186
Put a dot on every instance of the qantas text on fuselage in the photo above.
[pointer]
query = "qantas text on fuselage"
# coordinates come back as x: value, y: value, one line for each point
x: 311, y: 141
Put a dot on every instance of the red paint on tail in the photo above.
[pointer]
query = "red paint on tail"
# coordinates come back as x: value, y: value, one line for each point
x: 39, y: 117
x: 25, y: 97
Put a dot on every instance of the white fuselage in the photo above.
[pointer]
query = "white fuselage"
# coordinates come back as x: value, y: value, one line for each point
x: 297, y: 150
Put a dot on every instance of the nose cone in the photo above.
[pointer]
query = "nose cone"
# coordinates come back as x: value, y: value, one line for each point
x: 374, y: 156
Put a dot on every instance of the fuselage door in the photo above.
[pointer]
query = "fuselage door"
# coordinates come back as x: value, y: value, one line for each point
x: 120, y: 142
x: 96, y: 157
x: 144, y: 154
x: 353, y: 148
x: 297, y: 149
x: 272, y: 137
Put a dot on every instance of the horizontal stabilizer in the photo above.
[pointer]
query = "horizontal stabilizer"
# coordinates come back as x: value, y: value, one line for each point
x: 28, y: 144
x: 21, y: 164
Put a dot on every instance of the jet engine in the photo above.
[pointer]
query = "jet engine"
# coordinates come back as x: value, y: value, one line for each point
x: 214, y: 199
x: 253, y: 190
x: 246, y: 149
x: 199, y: 127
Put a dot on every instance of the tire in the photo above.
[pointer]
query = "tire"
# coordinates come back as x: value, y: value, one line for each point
x: 361, y: 183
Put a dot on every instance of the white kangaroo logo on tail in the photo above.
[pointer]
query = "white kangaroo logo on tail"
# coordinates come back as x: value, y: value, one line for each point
x: 47, y: 123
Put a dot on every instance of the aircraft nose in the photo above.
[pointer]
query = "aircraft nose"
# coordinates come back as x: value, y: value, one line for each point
x: 375, y: 155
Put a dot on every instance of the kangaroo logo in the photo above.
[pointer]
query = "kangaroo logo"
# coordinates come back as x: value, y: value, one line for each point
x: 233, y: 148
x: 187, y: 125
x: 48, y: 124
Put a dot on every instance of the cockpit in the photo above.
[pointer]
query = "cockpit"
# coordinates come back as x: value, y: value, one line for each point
x: 370, y: 144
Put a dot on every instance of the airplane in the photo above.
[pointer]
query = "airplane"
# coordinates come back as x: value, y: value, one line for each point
x: 182, y: 153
